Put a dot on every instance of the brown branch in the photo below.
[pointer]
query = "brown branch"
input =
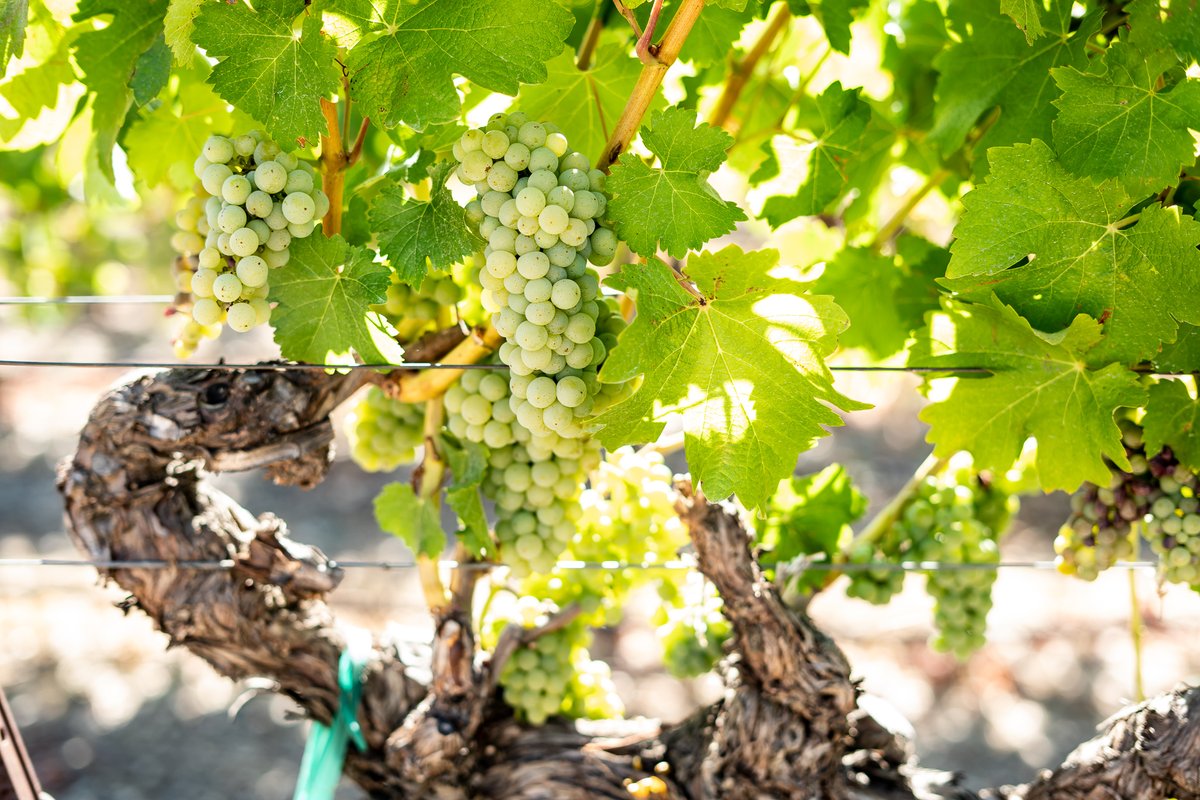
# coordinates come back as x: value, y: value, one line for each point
x: 591, y: 37
x: 789, y: 726
x: 333, y: 166
x: 649, y: 80
x: 415, y: 386
x: 744, y: 68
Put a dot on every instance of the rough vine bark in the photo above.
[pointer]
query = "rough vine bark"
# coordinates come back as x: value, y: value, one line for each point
x: 789, y: 726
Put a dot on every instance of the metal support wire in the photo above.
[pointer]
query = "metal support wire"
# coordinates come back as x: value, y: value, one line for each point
x: 268, y: 366
x: 91, y: 300
x: 611, y: 566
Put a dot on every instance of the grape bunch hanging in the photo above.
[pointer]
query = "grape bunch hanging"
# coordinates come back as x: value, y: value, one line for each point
x: 253, y: 199
x: 1156, y: 500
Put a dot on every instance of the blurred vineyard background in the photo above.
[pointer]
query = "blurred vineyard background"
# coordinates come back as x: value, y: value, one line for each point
x: 109, y: 714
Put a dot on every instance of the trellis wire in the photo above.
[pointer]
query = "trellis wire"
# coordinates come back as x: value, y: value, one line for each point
x: 90, y: 300
x: 610, y: 566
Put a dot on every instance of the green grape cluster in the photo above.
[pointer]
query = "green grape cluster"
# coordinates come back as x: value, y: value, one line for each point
x: 956, y: 517
x: 691, y: 626
x: 254, y: 199
x: 591, y: 693
x: 1158, y: 493
x: 478, y: 409
x: 537, y: 500
x: 628, y: 515
x: 384, y: 433
x: 554, y: 674
x: 1172, y: 522
x: 877, y: 585
x: 1099, y: 532
x: 541, y: 210
x: 415, y: 310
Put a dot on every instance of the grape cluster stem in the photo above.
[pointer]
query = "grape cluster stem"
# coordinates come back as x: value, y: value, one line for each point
x: 650, y: 79
x: 335, y: 160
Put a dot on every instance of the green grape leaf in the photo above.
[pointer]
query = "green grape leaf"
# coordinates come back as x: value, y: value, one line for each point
x: 886, y: 297
x: 713, y: 35
x: 585, y: 104
x: 468, y: 464
x: 108, y: 58
x: 415, y: 520
x: 324, y: 293
x: 1183, y: 354
x: 845, y: 116
x: 402, y: 70
x: 1048, y: 386
x: 163, y: 142
x: 1028, y: 16
x: 417, y: 236
x: 809, y: 514
x: 741, y: 367
x: 1166, y: 23
x: 1119, y: 123
x: 835, y: 17
x: 48, y: 85
x: 266, y: 70
x: 178, y: 24
x: 150, y: 73
x: 14, y: 14
x: 672, y: 207
x: 992, y: 65
x: 1137, y: 278
x: 1173, y: 419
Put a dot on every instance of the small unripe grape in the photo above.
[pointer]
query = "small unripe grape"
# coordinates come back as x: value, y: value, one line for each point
x: 530, y: 337
x: 187, y: 242
x: 276, y: 258
x: 502, y: 177
x: 278, y: 240
x: 543, y: 180
x: 554, y: 220
x: 532, y: 135
x: 207, y: 311
x: 243, y: 242
x: 538, y: 290
x: 533, y: 265
x: 565, y: 294
x: 298, y: 208
x: 260, y: 228
x: 252, y: 271
x: 302, y: 231
x: 571, y: 391
x: 322, y: 200
x: 241, y: 317
x: 517, y: 156
x: 495, y: 144
x: 580, y: 328
x: 259, y: 203
x: 557, y: 143
x: 235, y: 190
x: 265, y: 152
x: 543, y: 158
x: 218, y: 150
x: 227, y: 288
x: 214, y: 176
x: 276, y: 221
x: 476, y: 165
x: 298, y: 181
x: 471, y: 141
x: 530, y: 201
x: 202, y: 282
x: 270, y: 177
x: 244, y: 145
x: 231, y: 218
x: 210, y: 257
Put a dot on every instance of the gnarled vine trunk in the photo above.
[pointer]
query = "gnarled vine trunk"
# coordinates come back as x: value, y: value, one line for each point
x: 789, y: 726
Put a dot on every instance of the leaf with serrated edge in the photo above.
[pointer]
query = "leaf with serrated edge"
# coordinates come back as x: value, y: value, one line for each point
x: 743, y: 369
x: 1028, y: 16
x: 13, y: 16
x: 1119, y: 124
x: 1139, y: 278
x: 107, y: 57
x: 324, y: 294
x: 1173, y: 420
x: 993, y: 66
x: 413, y: 519
x: 402, y: 70
x: 673, y: 206
x: 417, y: 235
x: 585, y: 104
x: 468, y: 464
x: 1046, y: 385
x: 845, y: 117
x: 178, y: 26
x: 266, y: 70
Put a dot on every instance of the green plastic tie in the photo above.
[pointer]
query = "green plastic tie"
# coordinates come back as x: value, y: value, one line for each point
x: 325, y: 751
